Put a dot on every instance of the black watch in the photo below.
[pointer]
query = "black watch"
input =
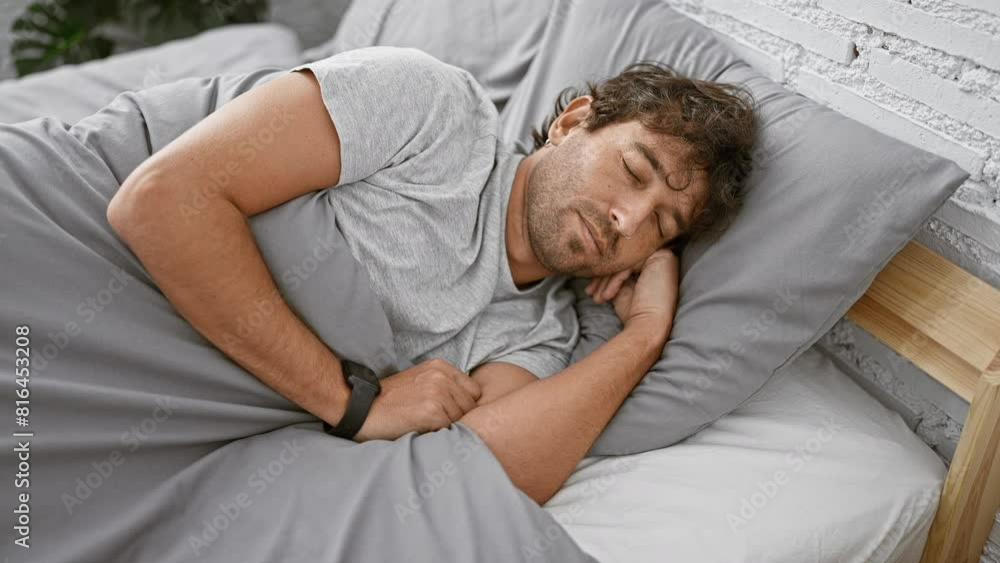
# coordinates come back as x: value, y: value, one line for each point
x: 364, y: 389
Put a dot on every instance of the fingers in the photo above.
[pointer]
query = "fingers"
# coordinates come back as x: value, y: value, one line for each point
x: 468, y: 385
x: 615, y: 284
x: 598, y: 289
x: 465, y: 389
x: 464, y: 392
x: 605, y: 288
x: 462, y: 401
x: 460, y: 392
x: 593, y: 288
x: 451, y: 409
x: 442, y: 402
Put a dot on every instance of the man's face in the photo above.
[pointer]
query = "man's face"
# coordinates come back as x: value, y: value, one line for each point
x: 611, y: 182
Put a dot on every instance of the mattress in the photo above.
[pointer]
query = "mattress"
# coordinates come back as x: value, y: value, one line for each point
x: 812, y: 469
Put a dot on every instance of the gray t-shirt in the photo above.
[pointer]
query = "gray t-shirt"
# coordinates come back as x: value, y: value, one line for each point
x: 422, y: 203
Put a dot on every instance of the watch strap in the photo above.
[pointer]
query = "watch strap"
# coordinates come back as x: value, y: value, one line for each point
x: 364, y: 389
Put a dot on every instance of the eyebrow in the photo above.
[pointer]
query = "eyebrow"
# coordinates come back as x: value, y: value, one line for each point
x: 645, y: 151
x: 653, y: 161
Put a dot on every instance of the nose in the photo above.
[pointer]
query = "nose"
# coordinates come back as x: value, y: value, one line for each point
x: 628, y: 216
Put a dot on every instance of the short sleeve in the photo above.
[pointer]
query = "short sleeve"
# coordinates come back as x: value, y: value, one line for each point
x: 392, y: 104
x: 541, y: 360
x: 598, y: 322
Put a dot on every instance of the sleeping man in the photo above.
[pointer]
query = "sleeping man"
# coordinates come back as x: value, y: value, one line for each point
x: 469, y: 243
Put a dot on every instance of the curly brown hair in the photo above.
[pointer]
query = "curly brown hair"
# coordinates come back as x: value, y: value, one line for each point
x: 716, y: 122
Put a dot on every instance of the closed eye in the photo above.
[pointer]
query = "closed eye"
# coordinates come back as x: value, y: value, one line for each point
x: 629, y: 171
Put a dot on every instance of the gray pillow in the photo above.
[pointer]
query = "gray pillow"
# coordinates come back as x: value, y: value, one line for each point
x: 830, y: 203
x: 495, y: 40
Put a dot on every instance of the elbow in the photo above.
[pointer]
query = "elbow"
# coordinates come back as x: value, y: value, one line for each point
x: 135, y: 205
x: 539, y: 498
x: 538, y: 487
x: 124, y: 206
x: 541, y: 494
x: 119, y: 214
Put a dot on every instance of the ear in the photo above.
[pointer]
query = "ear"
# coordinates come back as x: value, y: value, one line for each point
x: 571, y: 119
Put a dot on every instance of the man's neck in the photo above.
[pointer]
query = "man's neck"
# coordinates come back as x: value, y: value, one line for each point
x: 525, y: 268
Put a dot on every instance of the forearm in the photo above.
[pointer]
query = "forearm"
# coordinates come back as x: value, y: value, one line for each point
x: 541, y: 431
x: 211, y: 270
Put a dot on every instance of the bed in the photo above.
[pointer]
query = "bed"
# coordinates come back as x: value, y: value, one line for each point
x: 860, y: 484
x: 873, y: 491
x: 810, y: 469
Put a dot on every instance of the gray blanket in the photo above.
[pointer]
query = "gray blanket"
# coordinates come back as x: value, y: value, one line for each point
x: 147, y: 443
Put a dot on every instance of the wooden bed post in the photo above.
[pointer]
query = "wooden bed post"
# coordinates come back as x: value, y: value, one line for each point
x: 946, y: 322
x: 971, y: 492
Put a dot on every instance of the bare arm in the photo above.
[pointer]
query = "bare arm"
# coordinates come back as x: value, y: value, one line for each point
x: 203, y: 257
x: 198, y: 247
x: 540, y: 430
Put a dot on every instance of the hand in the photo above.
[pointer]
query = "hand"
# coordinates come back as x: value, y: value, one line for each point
x: 653, y: 297
x: 604, y: 288
x: 423, y: 398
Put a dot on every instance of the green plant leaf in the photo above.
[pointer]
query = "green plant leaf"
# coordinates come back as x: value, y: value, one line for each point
x: 55, y: 32
x: 49, y: 34
x: 162, y: 21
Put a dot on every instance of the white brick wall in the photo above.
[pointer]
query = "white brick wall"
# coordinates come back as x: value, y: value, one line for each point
x: 926, y: 72
x: 816, y: 39
x: 907, y: 21
x: 946, y: 95
x: 915, y: 71
x: 855, y: 105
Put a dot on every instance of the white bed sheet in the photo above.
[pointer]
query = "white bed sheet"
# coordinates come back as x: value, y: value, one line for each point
x: 811, y: 470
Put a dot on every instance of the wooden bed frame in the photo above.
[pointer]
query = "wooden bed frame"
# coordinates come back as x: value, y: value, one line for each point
x: 947, y: 322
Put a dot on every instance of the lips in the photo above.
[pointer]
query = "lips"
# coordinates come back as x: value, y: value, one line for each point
x: 598, y: 241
